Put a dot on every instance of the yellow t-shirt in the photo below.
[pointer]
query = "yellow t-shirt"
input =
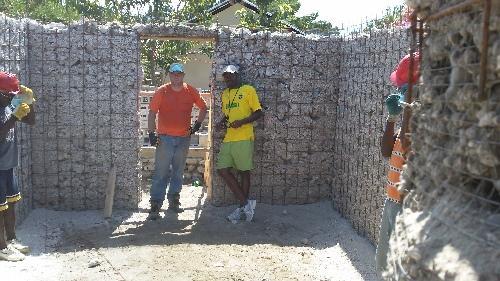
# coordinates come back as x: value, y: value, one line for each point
x: 238, y: 104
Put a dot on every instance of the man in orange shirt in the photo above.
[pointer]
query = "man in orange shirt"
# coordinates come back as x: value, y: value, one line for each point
x: 172, y: 103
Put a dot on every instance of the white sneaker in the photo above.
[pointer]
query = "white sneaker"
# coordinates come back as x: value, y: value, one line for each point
x: 253, y: 203
x: 17, y: 245
x: 9, y: 254
x: 248, y: 210
x: 235, y: 216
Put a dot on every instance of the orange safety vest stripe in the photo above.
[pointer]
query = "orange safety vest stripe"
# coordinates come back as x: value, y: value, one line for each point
x: 395, y: 168
x: 393, y: 193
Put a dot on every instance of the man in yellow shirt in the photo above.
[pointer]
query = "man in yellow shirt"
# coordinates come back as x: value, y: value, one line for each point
x: 241, y: 107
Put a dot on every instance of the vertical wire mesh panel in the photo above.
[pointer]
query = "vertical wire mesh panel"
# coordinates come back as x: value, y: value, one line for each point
x: 452, y: 215
x: 293, y: 144
x: 86, y: 75
x: 367, y: 59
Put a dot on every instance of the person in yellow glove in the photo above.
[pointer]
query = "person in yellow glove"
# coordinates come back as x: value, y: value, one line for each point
x: 15, y: 105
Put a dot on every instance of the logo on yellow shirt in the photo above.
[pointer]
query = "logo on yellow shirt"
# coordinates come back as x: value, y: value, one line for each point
x: 232, y: 105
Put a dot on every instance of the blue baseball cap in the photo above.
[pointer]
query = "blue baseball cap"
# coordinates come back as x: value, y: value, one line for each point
x: 176, y: 67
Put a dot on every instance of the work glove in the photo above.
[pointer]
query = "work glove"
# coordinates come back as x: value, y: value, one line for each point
x: 25, y: 95
x: 196, y: 126
x: 153, y: 139
x: 21, y: 111
x: 28, y: 96
x: 393, y: 104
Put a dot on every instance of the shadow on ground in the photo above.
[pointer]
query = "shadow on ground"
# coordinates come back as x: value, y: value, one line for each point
x: 313, y: 227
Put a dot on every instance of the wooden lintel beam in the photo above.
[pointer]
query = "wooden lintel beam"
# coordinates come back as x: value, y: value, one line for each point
x: 165, y: 37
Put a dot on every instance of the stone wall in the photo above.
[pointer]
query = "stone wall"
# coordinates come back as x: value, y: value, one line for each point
x: 323, y: 119
x: 87, y: 77
x: 13, y: 58
x: 295, y: 78
x: 450, y: 225
x: 322, y: 100
x: 366, y: 62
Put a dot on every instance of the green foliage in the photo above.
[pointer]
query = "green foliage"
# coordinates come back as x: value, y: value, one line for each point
x: 15, y: 8
x: 278, y: 14
x: 392, y: 17
x: 157, y: 55
x: 53, y: 11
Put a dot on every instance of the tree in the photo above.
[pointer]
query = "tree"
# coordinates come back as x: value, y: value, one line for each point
x: 277, y: 14
x: 392, y: 17
x: 274, y: 15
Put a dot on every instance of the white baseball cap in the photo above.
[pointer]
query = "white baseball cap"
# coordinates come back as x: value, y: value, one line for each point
x: 231, y: 69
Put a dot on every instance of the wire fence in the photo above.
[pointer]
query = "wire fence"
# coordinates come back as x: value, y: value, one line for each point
x: 453, y: 174
x: 86, y: 78
x: 367, y: 59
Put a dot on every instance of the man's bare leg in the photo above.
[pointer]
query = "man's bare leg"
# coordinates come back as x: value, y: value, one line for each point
x: 10, y: 222
x: 9, y: 217
x: 231, y: 181
x: 245, y: 183
x: 3, y: 243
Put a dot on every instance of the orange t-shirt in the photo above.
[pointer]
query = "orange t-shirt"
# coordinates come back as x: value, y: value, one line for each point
x: 174, y: 109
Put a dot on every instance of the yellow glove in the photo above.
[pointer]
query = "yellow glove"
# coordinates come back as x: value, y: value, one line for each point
x: 21, y: 111
x: 27, y: 94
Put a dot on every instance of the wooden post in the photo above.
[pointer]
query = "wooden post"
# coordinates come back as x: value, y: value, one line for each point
x: 110, y: 192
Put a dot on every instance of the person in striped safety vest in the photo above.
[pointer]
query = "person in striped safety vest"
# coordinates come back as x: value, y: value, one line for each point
x: 392, y: 147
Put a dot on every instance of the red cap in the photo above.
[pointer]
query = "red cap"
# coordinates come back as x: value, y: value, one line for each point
x: 9, y: 83
x: 399, y: 76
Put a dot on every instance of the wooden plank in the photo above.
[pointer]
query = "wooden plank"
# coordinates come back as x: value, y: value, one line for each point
x: 172, y: 37
x: 110, y: 192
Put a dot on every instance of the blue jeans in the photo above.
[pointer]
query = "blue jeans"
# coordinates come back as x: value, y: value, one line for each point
x: 387, y: 226
x: 170, y: 160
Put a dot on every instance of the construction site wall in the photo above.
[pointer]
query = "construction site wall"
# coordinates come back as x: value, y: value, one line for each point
x: 322, y: 98
x: 366, y: 62
x: 450, y: 225
x: 87, y: 80
x: 324, y: 116
x: 296, y: 80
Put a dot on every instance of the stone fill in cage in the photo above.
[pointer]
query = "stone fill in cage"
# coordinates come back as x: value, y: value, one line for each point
x: 450, y: 225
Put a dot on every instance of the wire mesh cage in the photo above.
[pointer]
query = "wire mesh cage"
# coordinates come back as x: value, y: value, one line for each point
x: 454, y: 170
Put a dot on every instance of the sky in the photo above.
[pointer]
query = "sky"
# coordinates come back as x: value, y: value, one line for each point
x: 347, y: 12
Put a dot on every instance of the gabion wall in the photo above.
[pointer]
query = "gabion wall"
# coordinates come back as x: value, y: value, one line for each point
x: 87, y: 77
x: 323, y: 120
x: 359, y: 169
x: 13, y: 58
x: 450, y: 225
x: 296, y: 79
x: 322, y: 97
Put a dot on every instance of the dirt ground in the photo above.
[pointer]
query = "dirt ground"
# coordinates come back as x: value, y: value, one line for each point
x: 304, y: 242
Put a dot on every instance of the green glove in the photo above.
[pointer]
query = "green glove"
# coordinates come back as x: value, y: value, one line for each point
x: 393, y: 106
